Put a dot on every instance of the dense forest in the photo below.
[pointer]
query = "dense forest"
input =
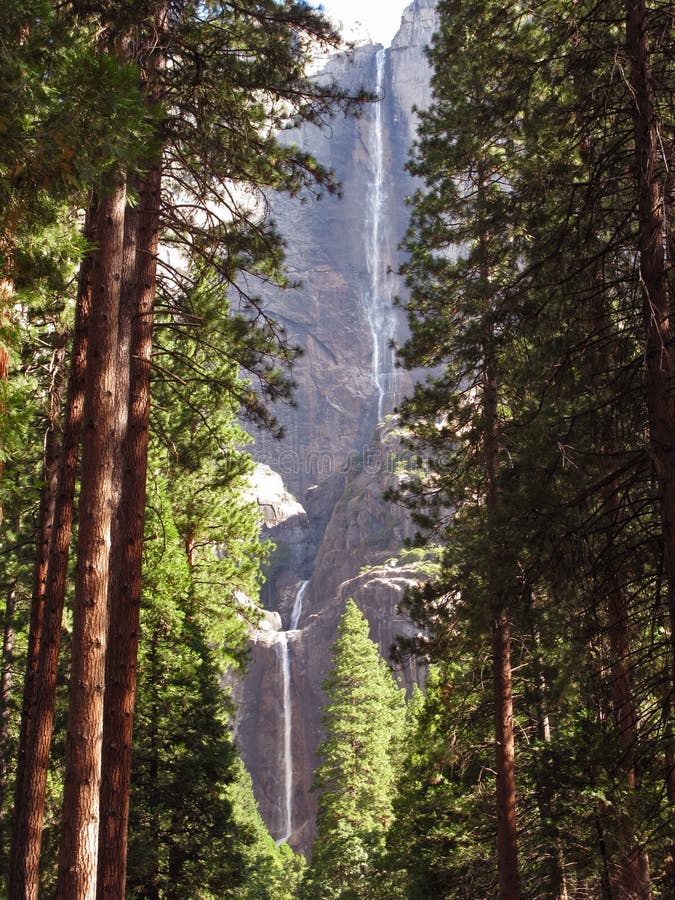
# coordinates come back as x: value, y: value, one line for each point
x: 139, y: 144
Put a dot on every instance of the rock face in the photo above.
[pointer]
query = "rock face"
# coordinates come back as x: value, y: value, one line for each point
x: 335, y: 535
x: 340, y: 250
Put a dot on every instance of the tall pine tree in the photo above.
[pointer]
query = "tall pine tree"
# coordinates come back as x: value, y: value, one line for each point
x: 363, y: 721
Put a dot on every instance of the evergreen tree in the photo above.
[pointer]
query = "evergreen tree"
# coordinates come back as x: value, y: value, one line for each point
x: 558, y: 353
x: 210, y: 117
x: 183, y: 836
x: 363, y: 724
x: 270, y: 872
x: 462, y: 313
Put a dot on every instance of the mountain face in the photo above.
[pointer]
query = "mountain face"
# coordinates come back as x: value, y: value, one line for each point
x: 321, y: 487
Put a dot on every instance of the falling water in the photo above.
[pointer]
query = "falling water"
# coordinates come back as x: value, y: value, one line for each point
x: 297, y: 605
x: 287, y: 751
x: 287, y: 713
x: 378, y: 301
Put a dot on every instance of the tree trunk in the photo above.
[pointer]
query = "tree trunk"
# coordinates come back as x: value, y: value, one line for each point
x: 38, y: 717
x: 505, y: 763
x: 80, y: 821
x: 125, y: 581
x: 655, y: 270
x: 6, y: 299
x: 6, y: 691
x: 630, y: 874
x: 507, y: 849
x: 45, y: 527
x: 505, y: 766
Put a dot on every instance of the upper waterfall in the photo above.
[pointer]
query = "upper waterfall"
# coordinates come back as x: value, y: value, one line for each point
x: 378, y: 299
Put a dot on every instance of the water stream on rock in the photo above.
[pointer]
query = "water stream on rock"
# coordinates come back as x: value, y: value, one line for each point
x: 287, y: 750
x: 297, y: 605
x: 287, y: 713
x: 378, y: 301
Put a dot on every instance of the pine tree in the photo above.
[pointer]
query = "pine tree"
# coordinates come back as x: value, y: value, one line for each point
x: 553, y: 121
x: 461, y: 272
x: 270, y: 871
x: 206, y: 147
x: 183, y: 837
x: 363, y: 723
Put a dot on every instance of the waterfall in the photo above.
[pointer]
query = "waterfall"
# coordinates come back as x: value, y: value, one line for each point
x: 286, y: 755
x: 287, y: 749
x: 297, y: 606
x: 378, y: 300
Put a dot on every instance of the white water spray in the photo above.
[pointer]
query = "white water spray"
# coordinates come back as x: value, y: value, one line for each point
x: 378, y: 300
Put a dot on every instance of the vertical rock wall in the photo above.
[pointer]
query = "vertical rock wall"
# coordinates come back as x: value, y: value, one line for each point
x: 335, y: 459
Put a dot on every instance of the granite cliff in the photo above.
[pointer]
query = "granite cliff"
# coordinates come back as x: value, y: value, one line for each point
x: 320, y: 489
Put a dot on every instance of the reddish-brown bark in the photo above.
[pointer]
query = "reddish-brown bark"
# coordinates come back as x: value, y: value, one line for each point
x: 654, y: 269
x: 44, y: 530
x: 80, y: 820
x: 505, y: 758
x: 6, y: 295
x: 6, y: 689
x: 505, y: 764
x: 125, y: 581
x: 33, y: 760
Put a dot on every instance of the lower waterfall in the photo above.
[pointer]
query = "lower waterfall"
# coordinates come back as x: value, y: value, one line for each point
x: 287, y: 748
x: 287, y: 715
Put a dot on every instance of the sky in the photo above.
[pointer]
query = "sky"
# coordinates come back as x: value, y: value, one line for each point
x: 381, y: 18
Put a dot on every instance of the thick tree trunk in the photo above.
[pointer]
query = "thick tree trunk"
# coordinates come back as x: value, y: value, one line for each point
x: 80, y: 822
x: 38, y: 716
x: 6, y: 690
x: 6, y: 297
x: 44, y: 531
x: 505, y: 765
x: 654, y: 269
x: 630, y: 874
x: 125, y: 581
x: 507, y: 848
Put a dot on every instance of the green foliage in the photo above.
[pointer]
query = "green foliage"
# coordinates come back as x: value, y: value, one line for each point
x: 198, y: 453
x: 182, y: 831
x: 86, y: 89
x: 271, y: 872
x: 363, y: 724
x: 440, y: 844
x: 523, y: 281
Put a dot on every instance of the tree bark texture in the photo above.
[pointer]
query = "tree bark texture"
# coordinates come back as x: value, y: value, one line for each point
x: 6, y: 297
x: 6, y: 690
x: 654, y: 269
x: 38, y: 715
x: 505, y: 766
x: 44, y: 531
x: 125, y: 577
x: 505, y: 758
x: 80, y: 821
